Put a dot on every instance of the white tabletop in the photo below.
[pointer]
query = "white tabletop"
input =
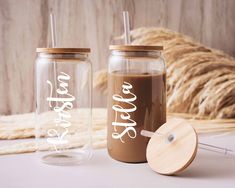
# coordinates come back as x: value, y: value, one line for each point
x: 208, y: 169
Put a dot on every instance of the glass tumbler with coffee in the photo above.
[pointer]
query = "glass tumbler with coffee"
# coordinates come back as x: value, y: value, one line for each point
x: 136, y: 99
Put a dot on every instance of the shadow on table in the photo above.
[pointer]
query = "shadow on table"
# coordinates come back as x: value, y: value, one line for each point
x: 210, y: 165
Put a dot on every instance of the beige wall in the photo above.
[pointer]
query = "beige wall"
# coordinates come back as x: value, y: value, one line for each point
x: 94, y: 23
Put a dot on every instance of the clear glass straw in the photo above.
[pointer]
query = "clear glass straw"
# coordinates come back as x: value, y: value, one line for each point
x: 53, y: 39
x: 216, y: 149
x: 207, y: 147
x: 127, y: 37
x: 126, y: 22
x: 53, y: 32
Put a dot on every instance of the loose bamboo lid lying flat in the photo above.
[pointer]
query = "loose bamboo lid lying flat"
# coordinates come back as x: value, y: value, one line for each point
x: 172, y: 147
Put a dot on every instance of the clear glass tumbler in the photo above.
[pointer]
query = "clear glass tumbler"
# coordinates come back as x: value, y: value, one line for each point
x: 63, y: 105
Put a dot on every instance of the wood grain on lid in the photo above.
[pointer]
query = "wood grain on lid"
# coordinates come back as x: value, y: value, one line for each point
x: 63, y: 50
x: 169, y: 158
x: 135, y: 48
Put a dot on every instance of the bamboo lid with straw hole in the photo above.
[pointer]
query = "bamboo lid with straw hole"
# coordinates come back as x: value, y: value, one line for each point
x: 172, y: 148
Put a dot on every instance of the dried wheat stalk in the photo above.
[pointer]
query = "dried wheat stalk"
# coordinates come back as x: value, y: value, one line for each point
x: 22, y: 127
x: 207, y: 87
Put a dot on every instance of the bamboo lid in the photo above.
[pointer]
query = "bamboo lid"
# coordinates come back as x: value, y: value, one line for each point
x: 172, y: 148
x: 63, y: 50
x: 140, y: 48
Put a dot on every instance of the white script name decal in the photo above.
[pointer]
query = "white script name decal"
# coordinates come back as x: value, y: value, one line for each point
x: 64, y: 103
x: 124, y: 114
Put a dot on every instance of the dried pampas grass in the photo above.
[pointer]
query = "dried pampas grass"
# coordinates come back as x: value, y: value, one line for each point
x: 200, y: 80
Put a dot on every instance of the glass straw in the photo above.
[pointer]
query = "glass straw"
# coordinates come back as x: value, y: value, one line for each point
x: 126, y: 22
x: 53, y: 32
x: 53, y: 39
x: 207, y: 147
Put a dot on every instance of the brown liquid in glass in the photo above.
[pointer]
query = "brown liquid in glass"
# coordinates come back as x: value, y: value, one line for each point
x: 124, y: 140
